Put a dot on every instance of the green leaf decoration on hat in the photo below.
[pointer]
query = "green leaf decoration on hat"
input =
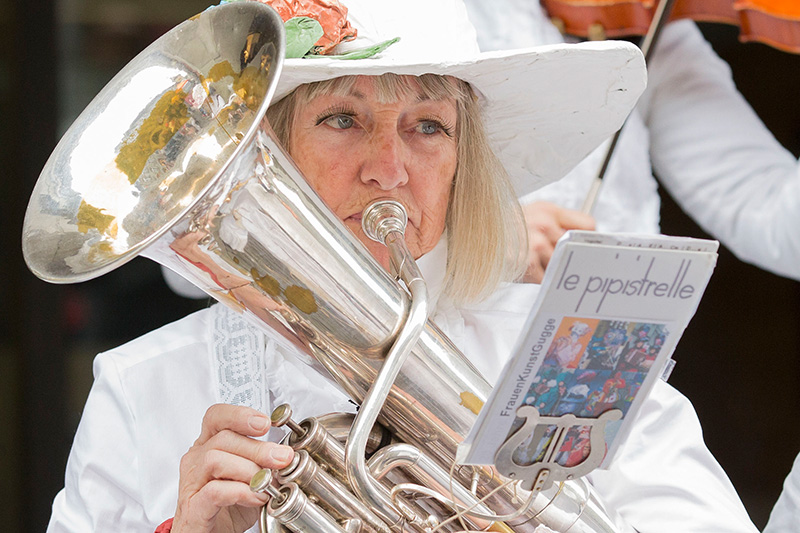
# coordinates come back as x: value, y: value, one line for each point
x: 361, y: 53
x: 301, y: 34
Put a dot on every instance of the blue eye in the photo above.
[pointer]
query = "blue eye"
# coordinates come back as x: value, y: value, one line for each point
x: 429, y: 127
x: 341, y: 122
x: 433, y: 126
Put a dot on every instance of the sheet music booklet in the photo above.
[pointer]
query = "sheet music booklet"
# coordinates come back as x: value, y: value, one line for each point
x: 602, y: 330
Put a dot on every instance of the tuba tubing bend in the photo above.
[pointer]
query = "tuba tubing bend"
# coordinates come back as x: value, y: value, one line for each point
x: 358, y: 475
x: 193, y: 177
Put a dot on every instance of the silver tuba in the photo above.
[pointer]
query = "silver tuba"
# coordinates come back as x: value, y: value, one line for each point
x: 174, y: 160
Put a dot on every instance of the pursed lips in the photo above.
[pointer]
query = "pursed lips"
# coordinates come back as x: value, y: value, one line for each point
x: 356, y: 218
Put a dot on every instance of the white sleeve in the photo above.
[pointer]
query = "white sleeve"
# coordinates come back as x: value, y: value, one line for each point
x: 785, y: 516
x: 664, y: 479
x: 716, y: 157
x: 102, y: 478
x: 509, y: 24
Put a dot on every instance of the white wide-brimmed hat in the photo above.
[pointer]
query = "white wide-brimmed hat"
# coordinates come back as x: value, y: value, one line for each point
x: 545, y: 108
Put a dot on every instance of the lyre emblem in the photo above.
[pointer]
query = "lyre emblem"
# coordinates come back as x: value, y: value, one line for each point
x: 546, y: 470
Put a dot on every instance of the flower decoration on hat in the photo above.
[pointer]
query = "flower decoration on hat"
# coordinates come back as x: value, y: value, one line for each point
x: 315, y: 27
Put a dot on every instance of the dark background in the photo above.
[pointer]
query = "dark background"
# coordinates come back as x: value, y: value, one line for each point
x: 739, y: 361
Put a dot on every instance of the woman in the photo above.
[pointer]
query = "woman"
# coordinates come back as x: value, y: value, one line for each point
x: 402, y: 127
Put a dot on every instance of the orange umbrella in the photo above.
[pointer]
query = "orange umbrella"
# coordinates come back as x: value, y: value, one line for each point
x: 773, y: 22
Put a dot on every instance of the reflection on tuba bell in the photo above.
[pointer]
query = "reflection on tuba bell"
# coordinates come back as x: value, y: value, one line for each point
x: 174, y: 160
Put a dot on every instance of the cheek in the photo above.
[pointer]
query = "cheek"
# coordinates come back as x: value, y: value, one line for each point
x: 324, y: 171
x: 437, y: 205
x: 433, y: 197
x: 334, y: 184
x: 440, y: 189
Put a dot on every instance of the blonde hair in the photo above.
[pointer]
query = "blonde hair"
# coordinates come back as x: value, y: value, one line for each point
x: 485, y: 230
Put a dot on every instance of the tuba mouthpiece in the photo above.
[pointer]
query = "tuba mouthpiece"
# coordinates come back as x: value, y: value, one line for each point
x: 383, y: 217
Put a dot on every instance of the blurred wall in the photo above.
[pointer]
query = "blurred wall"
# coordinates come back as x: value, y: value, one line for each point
x: 739, y: 361
x: 54, y: 57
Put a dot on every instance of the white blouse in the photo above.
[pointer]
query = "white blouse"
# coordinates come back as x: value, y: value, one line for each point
x: 149, y: 397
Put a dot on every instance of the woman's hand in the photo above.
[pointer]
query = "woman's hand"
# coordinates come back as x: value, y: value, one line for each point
x: 214, y: 492
x: 546, y: 223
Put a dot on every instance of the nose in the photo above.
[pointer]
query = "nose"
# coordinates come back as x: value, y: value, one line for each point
x: 385, y: 165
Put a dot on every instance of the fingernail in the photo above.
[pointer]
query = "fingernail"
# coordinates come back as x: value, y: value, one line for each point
x: 281, y: 453
x: 258, y: 423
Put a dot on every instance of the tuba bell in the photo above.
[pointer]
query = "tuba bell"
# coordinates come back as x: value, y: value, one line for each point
x: 174, y: 160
